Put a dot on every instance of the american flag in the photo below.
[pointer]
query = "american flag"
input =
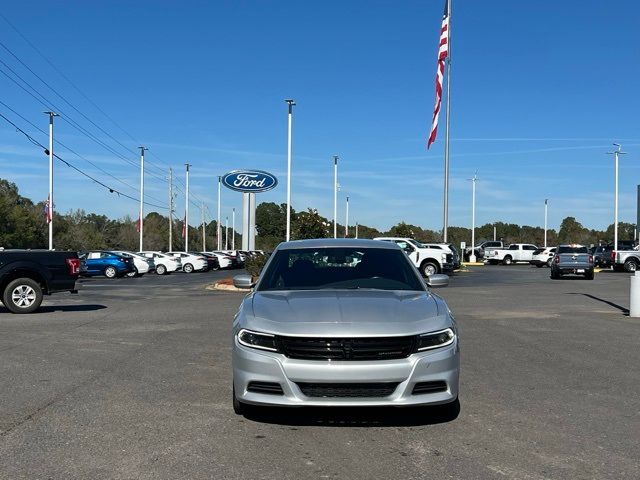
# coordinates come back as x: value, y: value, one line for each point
x: 138, y: 224
x: 47, y: 211
x: 443, y: 52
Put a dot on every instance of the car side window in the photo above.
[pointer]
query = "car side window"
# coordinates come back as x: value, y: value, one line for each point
x: 513, y: 247
x: 405, y: 246
x: 93, y: 255
x: 529, y: 247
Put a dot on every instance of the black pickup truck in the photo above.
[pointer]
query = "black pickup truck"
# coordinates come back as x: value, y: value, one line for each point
x: 27, y: 275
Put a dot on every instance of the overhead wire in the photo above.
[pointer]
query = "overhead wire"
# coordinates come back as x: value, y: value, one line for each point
x: 71, y: 165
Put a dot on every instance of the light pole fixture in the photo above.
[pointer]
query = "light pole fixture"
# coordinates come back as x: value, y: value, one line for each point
x: 291, y: 103
x: 616, y: 153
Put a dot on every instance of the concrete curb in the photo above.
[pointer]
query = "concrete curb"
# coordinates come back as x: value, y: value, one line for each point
x: 473, y: 264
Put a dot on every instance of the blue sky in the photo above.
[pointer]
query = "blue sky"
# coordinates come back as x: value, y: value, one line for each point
x: 540, y: 91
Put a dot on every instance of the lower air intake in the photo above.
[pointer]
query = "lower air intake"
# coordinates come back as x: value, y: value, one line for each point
x: 347, y: 390
x: 429, y: 387
x: 270, y: 388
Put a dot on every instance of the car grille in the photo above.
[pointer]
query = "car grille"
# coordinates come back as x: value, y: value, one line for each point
x: 347, y: 390
x: 384, y: 348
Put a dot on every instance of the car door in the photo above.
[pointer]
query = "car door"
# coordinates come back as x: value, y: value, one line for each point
x: 93, y: 263
x: 526, y: 254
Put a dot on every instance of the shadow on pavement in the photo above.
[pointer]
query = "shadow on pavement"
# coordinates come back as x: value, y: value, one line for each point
x: 354, y: 416
x: 614, y: 305
x: 63, y: 308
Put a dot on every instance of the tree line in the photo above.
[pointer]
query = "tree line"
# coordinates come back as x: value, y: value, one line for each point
x: 23, y: 225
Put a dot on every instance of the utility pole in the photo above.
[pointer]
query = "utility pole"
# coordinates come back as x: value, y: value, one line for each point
x: 218, y: 227
x: 346, y: 223
x: 472, y: 256
x: 226, y: 234
x: 233, y: 229
x: 141, y: 214
x: 616, y: 153
x: 546, y: 205
x: 170, y: 210
x: 204, y: 242
x: 335, y: 196
x: 186, y: 212
x: 50, y: 199
x: 291, y: 103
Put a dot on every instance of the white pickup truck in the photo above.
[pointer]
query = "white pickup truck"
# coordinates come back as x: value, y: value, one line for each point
x: 516, y: 252
x: 428, y: 260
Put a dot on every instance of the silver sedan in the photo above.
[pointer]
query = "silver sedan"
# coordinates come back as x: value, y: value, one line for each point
x: 343, y: 323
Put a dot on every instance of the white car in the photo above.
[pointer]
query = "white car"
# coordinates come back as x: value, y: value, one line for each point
x: 143, y: 265
x: 516, y: 252
x: 543, y: 256
x: 164, y: 263
x: 224, y: 260
x: 190, y: 262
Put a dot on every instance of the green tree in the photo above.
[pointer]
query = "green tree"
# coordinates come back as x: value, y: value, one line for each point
x: 310, y: 224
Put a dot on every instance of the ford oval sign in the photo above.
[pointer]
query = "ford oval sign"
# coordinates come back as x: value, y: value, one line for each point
x: 249, y: 181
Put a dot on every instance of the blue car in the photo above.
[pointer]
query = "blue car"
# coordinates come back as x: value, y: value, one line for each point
x: 109, y: 264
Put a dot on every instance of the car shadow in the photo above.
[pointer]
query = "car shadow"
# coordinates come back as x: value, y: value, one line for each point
x: 354, y: 416
x: 608, y: 302
x: 63, y: 308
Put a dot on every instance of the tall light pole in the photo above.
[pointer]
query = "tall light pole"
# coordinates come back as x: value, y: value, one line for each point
x: 346, y: 223
x: 335, y: 196
x: 226, y: 234
x: 141, y: 213
x: 50, y: 199
x: 356, y: 229
x: 186, y: 211
x: 617, y: 152
x: 218, y: 227
x: 291, y: 103
x: 170, y: 210
x: 472, y: 256
x: 233, y: 229
x: 204, y: 242
x: 546, y: 206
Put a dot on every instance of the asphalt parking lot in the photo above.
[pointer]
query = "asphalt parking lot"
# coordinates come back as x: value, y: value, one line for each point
x: 131, y: 379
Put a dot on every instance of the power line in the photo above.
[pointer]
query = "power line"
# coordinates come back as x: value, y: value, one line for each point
x: 61, y: 73
x: 69, y: 164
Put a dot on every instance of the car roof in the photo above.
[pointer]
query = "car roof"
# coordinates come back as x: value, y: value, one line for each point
x: 336, y: 243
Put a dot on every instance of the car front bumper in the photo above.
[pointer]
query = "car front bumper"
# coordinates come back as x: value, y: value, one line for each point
x: 251, y: 365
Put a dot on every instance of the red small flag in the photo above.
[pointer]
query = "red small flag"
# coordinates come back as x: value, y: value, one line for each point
x: 443, y: 52
x: 138, y: 225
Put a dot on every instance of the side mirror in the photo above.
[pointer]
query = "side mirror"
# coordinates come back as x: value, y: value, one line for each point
x: 243, y: 281
x: 437, y: 280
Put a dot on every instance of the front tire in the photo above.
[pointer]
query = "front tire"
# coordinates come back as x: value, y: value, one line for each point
x: 507, y: 260
x: 132, y: 274
x: 161, y: 270
x: 110, y: 272
x: 429, y: 268
x: 188, y: 268
x: 22, y: 295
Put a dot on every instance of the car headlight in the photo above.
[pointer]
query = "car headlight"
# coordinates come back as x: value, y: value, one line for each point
x: 438, y: 339
x: 262, y: 341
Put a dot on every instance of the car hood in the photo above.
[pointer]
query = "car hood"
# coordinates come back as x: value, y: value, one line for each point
x: 339, y: 313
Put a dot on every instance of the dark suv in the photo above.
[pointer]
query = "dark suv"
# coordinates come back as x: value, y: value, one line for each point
x: 602, y: 256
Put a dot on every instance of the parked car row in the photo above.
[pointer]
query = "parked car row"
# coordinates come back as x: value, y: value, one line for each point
x: 120, y: 263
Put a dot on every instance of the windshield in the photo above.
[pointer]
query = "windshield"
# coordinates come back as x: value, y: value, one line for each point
x: 569, y: 249
x: 417, y: 243
x: 340, y: 268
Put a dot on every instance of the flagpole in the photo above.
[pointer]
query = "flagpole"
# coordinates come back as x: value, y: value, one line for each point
x: 446, y: 134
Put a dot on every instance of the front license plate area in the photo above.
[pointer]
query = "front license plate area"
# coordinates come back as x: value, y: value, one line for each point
x: 580, y: 270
